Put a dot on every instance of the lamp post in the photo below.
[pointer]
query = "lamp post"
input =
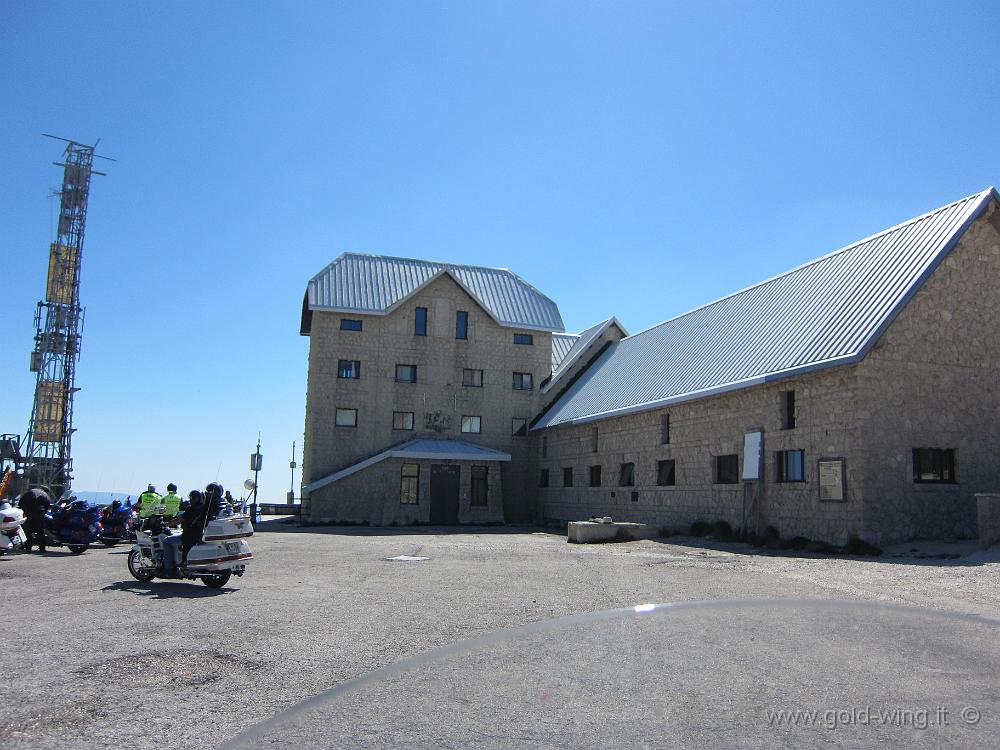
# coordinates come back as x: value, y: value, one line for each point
x: 256, y: 461
x: 291, y: 489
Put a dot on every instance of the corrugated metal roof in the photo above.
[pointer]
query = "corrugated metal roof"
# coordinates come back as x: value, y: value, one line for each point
x: 825, y: 313
x: 431, y: 449
x: 375, y: 284
x: 561, y: 345
x: 580, y: 344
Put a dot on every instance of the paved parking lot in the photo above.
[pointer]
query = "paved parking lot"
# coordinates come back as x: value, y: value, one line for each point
x: 102, y: 660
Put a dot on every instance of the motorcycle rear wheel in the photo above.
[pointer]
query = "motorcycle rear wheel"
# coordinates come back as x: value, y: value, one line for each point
x: 216, y: 581
x: 77, y: 549
x: 139, y: 571
x: 109, y: 542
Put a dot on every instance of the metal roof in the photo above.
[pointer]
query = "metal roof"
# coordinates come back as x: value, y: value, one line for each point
x: 580, y: 344
x: 430, y: 449
x: 376, y: 284
x: 825, y: 313
x: 561, y: 345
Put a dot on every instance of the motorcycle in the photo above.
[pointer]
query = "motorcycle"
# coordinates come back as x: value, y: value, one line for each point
x: 12, y: 534
x: 118, y: 523
x: 75, y: 524
x: 222, y: 552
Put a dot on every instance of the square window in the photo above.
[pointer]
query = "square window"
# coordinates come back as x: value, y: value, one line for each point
x: 461, y: 324
x: 409, y: 484
x: 626, y: 475
x: 543, y: 478
x: 524, y: 338
x: 402, y: 420
x: 665, y: 473
x: 727, y: 469
x: 349, y: 369
x: 519, y: 427
x: 790, y: 466
x: 472, y: 425
x: 479, y: 488
x: 346, y: 418
x: 522, y: 381
x: 420, y: 322
x: 595, y: 476
x: 568, y: 476
x: 406, y: 373
x: 472, y: 378
x: 788, y: 410
x: 934, y: 465
x: 664, y: 429
x: 347, y: 324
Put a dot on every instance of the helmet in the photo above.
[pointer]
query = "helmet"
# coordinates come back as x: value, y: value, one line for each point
x: 214, y: 490
x: 196, y: 497
x: 151, y: 488
x: 116, y: 503
x: 171, y: 487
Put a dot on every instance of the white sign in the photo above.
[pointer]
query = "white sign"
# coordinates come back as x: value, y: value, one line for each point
x: 752, y: 442
x: 831, y: 480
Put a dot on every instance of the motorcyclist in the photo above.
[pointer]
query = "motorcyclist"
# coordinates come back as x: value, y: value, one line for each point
x: 192, y: 521
x: 148, y: 502
x: 34, y: 502
x: 171, y: 501
x: 215, y: 496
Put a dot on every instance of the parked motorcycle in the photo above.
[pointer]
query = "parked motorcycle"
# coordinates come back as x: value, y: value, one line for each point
x: 118, y: 523
x: 222, y: 553
x: 75, y: 524
x: 12, y: 536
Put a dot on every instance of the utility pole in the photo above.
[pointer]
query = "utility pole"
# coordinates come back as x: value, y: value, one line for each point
x: 291, y: 488
x: 256, y: 461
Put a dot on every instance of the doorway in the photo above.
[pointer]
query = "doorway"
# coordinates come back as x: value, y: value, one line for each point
x: 444, y: 494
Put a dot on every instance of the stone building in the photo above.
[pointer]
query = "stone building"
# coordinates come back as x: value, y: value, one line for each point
x: 854, y: 396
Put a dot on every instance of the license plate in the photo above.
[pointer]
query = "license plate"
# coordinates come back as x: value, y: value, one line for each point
x: 232, y: 546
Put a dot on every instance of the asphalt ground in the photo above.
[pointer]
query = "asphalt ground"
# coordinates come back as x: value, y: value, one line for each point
x: 93, y: 658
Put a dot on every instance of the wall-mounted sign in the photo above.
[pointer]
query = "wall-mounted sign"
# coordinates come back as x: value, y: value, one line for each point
x: 752, y: 444
x: 832, y: 478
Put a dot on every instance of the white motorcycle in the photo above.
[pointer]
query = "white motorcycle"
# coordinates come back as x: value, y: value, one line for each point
x: 12, y: 534
x: 222, y: 553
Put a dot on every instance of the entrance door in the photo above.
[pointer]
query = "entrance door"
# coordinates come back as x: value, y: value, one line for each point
x: 444, y: 494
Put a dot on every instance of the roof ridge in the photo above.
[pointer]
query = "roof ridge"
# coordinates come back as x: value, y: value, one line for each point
x: 424, y: 262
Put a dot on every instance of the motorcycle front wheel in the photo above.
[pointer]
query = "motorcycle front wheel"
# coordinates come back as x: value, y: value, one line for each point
x: 217, y: 581
x: 137, y: 567
x: 109, y: 542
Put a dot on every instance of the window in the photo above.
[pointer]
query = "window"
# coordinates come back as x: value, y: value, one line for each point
x: 788, y: 410
x: 543, y: 478
x: 350, y: 325
x: 409, y: 484
x: 664, y: 429
x: 524, y: 338
x: 519, y: 427
x: 346, y: 418
x: 479, y: 489
x: 402, y: 420
x: 626, y: 476
x: 595, y: 476
x: 568, y: 476
x: 461, y: 324
x: 791, y: 466
x: 665, y: 473
x: 349, y: 369
x: 472, y: 425
x: 406, y: 373
x: 727, y: 469
x: 545, y: 446
x: 522, y: 381
x: 934, y: 465
x: 472, y: 378
x: 420, y: 322
x: 593, y: 440
x: 635, y: 496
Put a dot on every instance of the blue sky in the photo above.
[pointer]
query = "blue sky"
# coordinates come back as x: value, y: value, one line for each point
x: 627, y: 158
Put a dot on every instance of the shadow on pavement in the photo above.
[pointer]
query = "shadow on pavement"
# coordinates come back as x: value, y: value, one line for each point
x: 168, y: 589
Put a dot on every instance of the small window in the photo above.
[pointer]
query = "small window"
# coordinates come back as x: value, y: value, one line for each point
x: 420, y: 322
x: 409, y: 485
x: 519, y: 427
x: 788, y: 410
x: 664, y: 429
x: 461, y: 324
x: 727, y: 469
x: 595, y: 476
x: 543, y: 478
x: 568, y: 476
x: 791, y: 466
x: 347, y: 324
x: 346, y: 418
x: 522, y: 381
x: 406, y: 373
x: 635, y: 496
x: 402, y: 420
x: 593, y: 440
x: 472, y: 378
x: 349, y: 369
x: 626, y: 476
x: 472, y: 425
x: 524, y: 338
x: 479, y: 488
x: 934, y: 465
x: 545, y: 446
x: 665, y: 475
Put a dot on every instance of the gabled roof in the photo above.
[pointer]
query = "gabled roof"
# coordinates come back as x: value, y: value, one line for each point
x: 828, y: 312
x: 561, y: 344
x: 580, y: 345
x: 377, y: 284
x: 430, y: 449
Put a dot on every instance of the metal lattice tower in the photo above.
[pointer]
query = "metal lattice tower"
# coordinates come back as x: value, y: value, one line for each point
x: 47, y: 460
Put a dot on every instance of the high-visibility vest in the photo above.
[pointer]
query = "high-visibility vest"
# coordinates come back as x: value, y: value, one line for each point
x: 150, y: 501
x: 171, y: 504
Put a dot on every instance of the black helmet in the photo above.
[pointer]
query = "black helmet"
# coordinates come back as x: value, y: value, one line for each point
x: 196, y: 497
x: 171, y: 487
x: 214, y: 490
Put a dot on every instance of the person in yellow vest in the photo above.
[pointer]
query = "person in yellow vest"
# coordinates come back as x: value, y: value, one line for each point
x: 149, y: 501
x: 171, y: 501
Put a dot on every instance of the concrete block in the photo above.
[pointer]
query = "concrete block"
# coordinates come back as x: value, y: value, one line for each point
x: 591, y: 532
